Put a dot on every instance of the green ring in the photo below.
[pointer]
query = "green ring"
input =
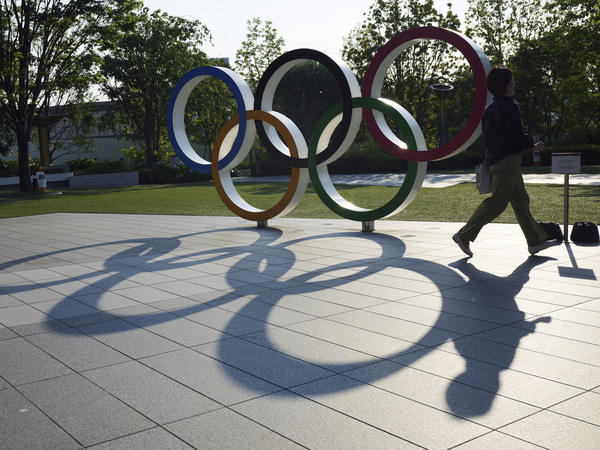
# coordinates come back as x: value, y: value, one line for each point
x: 396, y: 203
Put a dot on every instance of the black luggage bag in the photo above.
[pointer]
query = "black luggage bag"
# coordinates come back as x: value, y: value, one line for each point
x: 553, y: 230
x: 585, y: 232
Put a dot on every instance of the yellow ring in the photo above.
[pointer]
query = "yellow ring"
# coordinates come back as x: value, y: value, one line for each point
x: 299, y: 177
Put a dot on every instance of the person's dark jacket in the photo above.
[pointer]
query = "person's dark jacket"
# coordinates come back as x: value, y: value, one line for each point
x: 502, y: 129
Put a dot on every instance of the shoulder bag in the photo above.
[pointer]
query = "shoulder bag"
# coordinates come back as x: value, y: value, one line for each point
x: 483, y: 178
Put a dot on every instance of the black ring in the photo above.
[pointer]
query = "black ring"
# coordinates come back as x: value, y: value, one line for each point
x: 337, y: 72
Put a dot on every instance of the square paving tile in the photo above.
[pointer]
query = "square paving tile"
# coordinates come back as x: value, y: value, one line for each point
x: 152, y: 394
x: 153, y: 439
x: 264, y: 363
x: 550, y: 430
x: 310, y: 424
x: 227, y: 429
x: 129, y: 339
x: 392, y: 413
x: 77, y: 350
x: 25, y: 426
x: 22, y: 362
x: 207, y: 376
x: 86, y: 412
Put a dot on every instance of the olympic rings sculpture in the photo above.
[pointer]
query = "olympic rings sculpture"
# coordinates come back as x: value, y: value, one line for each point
x: 308, y: 162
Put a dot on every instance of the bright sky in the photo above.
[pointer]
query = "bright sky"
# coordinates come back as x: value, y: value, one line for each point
x: 316, y: 24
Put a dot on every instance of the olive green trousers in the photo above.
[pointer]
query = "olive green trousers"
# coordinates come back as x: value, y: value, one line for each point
x: 507, y: 187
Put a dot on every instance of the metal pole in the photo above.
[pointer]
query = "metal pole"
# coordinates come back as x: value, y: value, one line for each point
x: 44, y: 123
x: 44, y: 137
x: 566, y: 223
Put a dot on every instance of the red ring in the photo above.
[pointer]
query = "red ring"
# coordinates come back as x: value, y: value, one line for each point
x: 479, y: 65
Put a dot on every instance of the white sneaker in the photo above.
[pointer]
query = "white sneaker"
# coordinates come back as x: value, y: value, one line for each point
x: 543, y: 246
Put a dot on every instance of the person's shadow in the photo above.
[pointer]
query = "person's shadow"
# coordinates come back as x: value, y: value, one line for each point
x: 486, y: 359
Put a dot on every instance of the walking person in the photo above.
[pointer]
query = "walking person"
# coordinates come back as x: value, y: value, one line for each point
x: 505, y: 140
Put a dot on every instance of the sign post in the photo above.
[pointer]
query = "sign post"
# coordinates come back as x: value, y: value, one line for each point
x: 566, y: 163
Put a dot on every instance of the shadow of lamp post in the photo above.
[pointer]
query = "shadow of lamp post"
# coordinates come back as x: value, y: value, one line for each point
x: 442, y: 91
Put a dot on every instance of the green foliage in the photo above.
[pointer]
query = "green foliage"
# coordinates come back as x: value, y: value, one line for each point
x: 305, y: 94
x: 89, y: 166
x: 550, y: 45
x: 590, y: 154
x: 370, y: 160
x: 501, y: 26
x: 261, y: 47
x: 167, y: 173
x: 161, y: 173
x: 210, y: 106
x: 368, y: 157
x: 145, y: 55
x: 566, y: 97
x: 9, y: 168
x: 410, y: 76
x: 552, y: 48
x: 7, y: 139
x: 47, y: 53
x: 70, y: 136
x: 581, y: 133
x: 135, y: 158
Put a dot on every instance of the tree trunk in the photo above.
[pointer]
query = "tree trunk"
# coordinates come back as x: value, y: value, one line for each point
x: 23, y: 158
x: 148, y: 128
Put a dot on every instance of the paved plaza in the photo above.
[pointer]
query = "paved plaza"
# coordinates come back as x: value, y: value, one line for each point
x: 169, y: 332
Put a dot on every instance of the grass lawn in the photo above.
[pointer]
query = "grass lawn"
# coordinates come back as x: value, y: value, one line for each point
x: 450, y: 204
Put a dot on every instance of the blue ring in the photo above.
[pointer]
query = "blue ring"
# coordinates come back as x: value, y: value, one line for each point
x: 225, y: 75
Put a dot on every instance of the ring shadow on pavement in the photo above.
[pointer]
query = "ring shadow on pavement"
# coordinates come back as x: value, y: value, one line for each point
x: 270, y: 257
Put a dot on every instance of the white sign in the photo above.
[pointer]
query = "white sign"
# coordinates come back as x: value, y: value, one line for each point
x: 566, y: 163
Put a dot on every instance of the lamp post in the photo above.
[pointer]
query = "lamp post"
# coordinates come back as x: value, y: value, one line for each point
x: 44, y: 123
x: 442, y: 91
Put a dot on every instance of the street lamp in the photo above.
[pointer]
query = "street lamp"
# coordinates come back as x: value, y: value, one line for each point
x: 442, y: 91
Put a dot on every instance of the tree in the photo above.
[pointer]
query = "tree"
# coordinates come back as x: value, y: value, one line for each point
x: 305, y: 94
x: 579, y: 22
x: 6, y: 137
x: 502, y: 25
x: 46, y: 47
x: 71, y: 136
x: 210, y: 106
x: 261, y: 47
x: 558, y: 72
x: 420, y: 66
x: 145, y: 55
